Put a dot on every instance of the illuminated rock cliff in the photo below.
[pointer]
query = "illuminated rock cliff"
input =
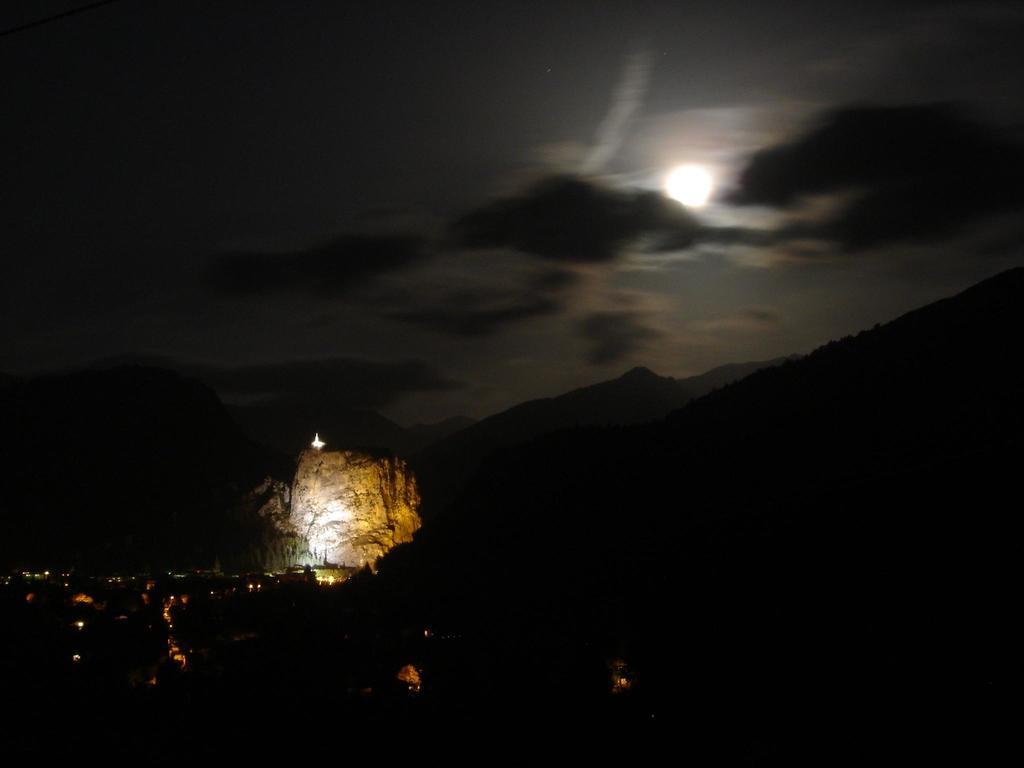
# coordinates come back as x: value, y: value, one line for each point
x: 350, y: 507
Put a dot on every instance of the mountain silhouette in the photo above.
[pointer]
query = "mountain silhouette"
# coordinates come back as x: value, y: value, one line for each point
x: 124, y: 468
x: 638, y: 396
x: 836, y: 535
x: 287, y: 425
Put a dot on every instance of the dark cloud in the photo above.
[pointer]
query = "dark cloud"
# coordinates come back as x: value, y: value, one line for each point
x: 485, y: 312
x: 761, y: 316
x: 615, y: 335
x: 356, y: 382
x: 746, y: 321
x: 916, y: 173
x: 465, y: 314
x: 552, y: 280
x: 326, y: 270
x: 571, y: 219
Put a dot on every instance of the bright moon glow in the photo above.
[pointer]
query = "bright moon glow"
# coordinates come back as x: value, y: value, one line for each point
x: 690, y: 185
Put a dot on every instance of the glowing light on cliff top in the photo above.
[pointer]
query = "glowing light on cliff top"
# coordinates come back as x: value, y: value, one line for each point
x: 317, y: 442
x: 690, y: 185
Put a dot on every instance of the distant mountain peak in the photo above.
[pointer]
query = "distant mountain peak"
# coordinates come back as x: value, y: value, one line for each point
x: 640, y: 372
x: 637, y: 396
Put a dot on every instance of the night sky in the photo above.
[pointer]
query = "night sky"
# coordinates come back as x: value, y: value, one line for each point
x: 446, y: 208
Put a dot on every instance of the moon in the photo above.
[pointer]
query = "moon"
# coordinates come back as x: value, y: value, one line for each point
x: 689, y: 184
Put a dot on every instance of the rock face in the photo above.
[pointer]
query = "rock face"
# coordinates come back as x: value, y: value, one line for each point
x: 267, y: 540
x: 350, y: 507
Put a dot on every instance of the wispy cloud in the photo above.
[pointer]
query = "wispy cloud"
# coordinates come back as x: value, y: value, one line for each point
x: 626, y: 101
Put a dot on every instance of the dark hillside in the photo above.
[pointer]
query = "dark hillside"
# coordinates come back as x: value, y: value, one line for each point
x: 123, y: 468
x: 838, y: 533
